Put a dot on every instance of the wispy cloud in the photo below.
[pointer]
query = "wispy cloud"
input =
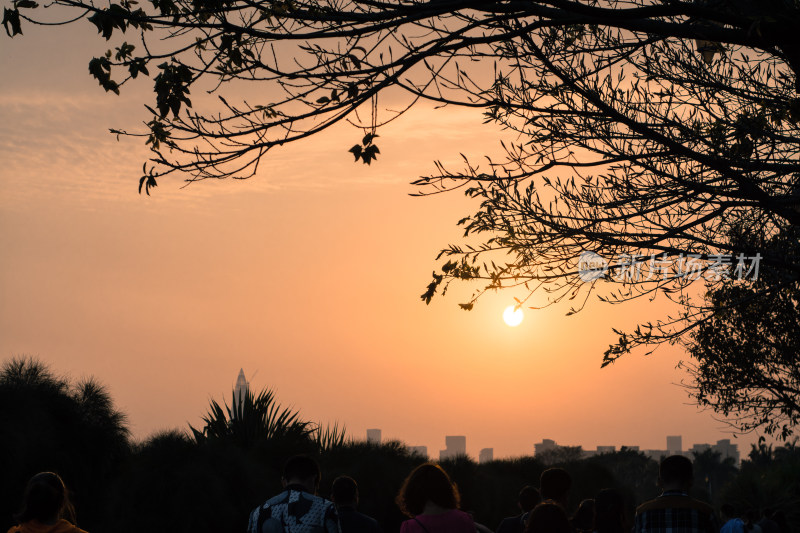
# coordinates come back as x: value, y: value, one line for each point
x: 54, y: 144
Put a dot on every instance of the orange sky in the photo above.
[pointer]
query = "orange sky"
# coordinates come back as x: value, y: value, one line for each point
x: 307, y: 276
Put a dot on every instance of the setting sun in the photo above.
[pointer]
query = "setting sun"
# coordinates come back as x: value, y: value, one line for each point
x: 512, y: 316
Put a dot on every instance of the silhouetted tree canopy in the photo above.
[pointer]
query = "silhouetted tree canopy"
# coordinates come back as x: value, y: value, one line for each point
x: 660, y: 137
x: 746, y: 358
x: 766, y: 481
x: 711, y: 474
x: 49, y: 423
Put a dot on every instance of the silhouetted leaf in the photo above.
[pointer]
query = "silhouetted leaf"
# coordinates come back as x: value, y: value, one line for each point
x: 11, y: 22
x: 100, y: 69
x: 355, y: 60
x: 432, y: 286
x: 449, y: 267
x: 356, y: 151
x: 137, y: 66
x: 124, y: 51
x: 171, y: 87
x: 370, y: 152
x: 148, y: 182
x: 108, y: 19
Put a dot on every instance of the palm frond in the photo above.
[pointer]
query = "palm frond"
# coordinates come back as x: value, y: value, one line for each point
x: 252, y: 419
x: 330, y: 436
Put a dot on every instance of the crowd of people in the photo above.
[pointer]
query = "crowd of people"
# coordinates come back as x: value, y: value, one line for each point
x: 430, y: 500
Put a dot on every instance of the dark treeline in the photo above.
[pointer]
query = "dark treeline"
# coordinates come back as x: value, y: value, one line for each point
x: 208, y: 479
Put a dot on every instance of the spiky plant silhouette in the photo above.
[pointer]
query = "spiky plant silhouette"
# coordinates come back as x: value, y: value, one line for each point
x: 329, y: 437
x: 251, y: 420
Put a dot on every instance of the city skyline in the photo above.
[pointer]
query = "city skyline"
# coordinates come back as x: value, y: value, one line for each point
x: 456, y: 445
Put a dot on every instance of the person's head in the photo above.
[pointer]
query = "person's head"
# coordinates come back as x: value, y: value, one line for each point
x: 529, y: 498
x: 554, y: 484
x: 427, y: 483
x: 675, y: 473
x: 583, y: 519
x: 344, y: 491
x: 46, y: 500
x: 301, y: 470
x: 548, y: 517
x: 609, y: 512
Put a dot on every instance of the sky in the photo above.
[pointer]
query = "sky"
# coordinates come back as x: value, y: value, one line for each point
x: 307, y: 276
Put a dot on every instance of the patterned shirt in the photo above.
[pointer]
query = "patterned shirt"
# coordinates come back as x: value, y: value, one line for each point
x: 294, y: 511
x: 675, y: 512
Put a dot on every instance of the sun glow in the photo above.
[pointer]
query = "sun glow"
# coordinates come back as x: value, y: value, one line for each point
x: 512, y: 316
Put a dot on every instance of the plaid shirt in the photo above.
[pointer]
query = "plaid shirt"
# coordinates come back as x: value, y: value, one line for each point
x: 675, y: 512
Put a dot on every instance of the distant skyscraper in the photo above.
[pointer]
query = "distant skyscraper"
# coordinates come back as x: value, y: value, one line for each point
x: 545, y: 445
x: 374, y: 436
x: 457, y: 444
x: 486, y: 455
x: 606, y: 449
x: 674, y: 445
x: 656, y: 455
x: 454, y: 445
x: 723, y: 447
x: 419, y: 450
x: 699, y: 448
x: 240, y: 389
x: 726, y: 450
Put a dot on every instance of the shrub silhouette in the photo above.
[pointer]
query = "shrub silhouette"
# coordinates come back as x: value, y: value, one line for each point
x: 172, y: 483
x: 209, y: 479
x: 51, y: 424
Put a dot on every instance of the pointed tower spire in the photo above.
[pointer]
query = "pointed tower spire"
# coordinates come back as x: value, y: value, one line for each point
x: 240, y: 389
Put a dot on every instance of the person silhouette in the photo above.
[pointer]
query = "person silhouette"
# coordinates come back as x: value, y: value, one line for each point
x: 675, y: 511
x: 548, y: 517
x: 583, y: 518
x: 609, y: 512
x: 528, y: 498
x: 431, y: 500
x: 344, y: 494
x: 297, y: 509
x: 554, y: 484
x: 46, y: 507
